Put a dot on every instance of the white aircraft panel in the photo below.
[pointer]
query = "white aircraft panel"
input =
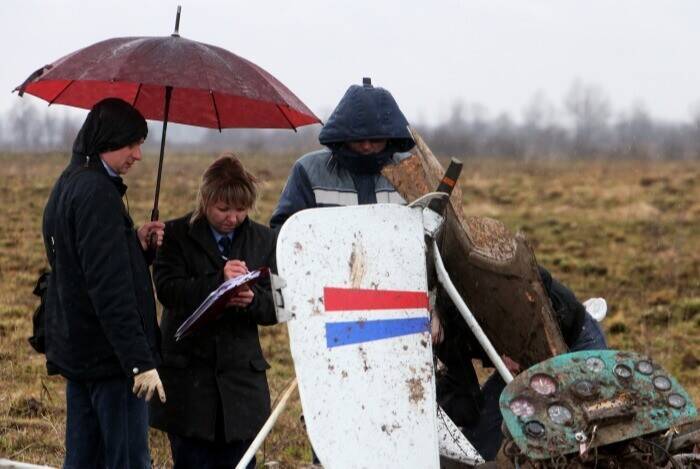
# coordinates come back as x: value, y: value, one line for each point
x: 359, y: 334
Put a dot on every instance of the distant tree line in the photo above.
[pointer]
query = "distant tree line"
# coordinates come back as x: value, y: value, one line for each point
x: 583, y: 127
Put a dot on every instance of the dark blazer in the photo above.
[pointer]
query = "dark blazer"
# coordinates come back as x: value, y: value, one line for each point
x: 221, y: 365
x: 100, y: 310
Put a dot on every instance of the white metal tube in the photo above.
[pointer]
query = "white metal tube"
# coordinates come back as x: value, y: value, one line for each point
x: 446, y: 282
x: 265, y: 430
x: 7, y: 464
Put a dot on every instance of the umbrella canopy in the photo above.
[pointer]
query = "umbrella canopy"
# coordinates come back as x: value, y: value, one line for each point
x: 171, y: 78
x: 211, y: 87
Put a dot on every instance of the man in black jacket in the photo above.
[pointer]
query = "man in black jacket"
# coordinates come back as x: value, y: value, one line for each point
x: 101, y: 328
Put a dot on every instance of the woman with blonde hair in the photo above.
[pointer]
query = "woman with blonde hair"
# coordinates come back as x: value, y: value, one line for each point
x: 218, y: 397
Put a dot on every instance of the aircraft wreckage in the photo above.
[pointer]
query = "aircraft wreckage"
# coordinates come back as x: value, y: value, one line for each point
x: 356, y: 285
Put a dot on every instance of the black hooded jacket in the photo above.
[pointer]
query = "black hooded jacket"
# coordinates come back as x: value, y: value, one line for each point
x: 100, y: 307
x: 367, y: 113
x: 338, y: 176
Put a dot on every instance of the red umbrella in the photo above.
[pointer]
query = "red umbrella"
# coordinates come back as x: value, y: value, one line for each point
x: 171, y: 79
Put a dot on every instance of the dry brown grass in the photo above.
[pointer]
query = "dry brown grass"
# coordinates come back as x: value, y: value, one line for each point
x: 626, y: 231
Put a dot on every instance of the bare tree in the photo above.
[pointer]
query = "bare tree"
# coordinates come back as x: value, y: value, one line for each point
x: 695, y: 130
x: 635, y: 134
x: 541, y: 136
x: 49, y: 134
x: 504, y: 138
x: 453, y: 133
x: 24, y: 127
x: 589, y: 108
x: 67, y: 129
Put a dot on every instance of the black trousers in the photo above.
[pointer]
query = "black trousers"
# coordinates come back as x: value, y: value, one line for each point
x: 193, y: 453
x: 106, y: 426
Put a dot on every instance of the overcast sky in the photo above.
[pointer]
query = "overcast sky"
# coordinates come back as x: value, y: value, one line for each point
x: 427, y: 53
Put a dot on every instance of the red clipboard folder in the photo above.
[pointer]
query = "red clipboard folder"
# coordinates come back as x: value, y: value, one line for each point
x: 214, y: 304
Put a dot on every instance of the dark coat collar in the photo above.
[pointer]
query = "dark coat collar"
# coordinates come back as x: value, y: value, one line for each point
x: 201, y: 233
x: 94, y: 163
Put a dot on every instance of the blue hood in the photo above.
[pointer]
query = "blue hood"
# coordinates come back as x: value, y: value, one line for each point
x: 366, y: 112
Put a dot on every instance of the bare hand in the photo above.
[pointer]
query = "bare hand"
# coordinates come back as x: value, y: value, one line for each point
x: 234, y: 268
x: 154, y: 230
x: 147, y: 383
x: 242, y: 299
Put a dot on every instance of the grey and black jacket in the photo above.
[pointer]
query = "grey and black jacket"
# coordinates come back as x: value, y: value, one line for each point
x: 324, y: 178
x: 317, y: 180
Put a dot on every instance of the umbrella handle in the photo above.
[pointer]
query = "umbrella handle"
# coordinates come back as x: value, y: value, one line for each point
x: 152, y: 246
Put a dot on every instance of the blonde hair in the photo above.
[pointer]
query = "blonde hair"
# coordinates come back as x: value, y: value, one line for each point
x: 225, y: 180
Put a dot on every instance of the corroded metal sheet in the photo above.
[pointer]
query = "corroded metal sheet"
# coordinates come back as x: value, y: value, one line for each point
x: 359, y: 334
x: 494, y: 271
x: 587, y: 399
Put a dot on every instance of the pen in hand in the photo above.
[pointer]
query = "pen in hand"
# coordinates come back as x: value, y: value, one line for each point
x: 244, y: 297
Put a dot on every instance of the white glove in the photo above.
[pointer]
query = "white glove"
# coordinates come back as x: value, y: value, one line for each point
x: 596, y: 307
x: 146, y: 383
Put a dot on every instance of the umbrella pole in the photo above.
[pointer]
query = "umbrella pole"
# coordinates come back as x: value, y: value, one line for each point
x: 168, y: 93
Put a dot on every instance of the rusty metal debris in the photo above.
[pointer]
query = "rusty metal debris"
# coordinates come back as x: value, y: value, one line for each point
x: 494, y: 271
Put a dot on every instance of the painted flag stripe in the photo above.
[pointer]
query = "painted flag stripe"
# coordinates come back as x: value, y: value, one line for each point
x: 352, y: 299
x: 354, y: 332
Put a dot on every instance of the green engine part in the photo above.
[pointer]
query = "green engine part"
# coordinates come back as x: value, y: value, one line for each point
x: 582, y: 400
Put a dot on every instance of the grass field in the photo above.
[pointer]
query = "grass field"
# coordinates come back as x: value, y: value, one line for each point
x: 627, y: 231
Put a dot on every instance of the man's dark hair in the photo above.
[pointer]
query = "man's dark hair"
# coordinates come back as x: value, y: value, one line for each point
x: 111, y: 124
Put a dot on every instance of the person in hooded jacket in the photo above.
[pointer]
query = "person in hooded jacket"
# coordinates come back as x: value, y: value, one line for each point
x: 100, y: 315
x: 365, y: 132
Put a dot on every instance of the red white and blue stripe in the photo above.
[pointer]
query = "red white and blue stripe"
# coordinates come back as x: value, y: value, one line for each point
x: 394, y: 310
